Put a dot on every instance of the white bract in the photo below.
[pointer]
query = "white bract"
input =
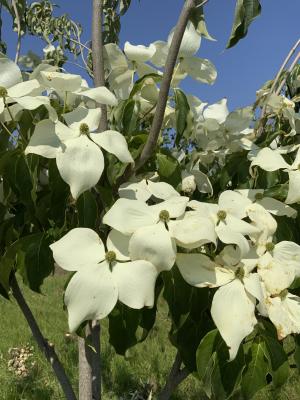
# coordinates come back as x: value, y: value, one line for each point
x: 227, y: 217
x: 77, y: 150
x: 233, y: 305
x: 271, y: 160
x: 149, y: 226
x: 102, y: 276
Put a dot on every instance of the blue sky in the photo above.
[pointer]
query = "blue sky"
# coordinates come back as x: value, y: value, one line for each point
x: 241, y: 70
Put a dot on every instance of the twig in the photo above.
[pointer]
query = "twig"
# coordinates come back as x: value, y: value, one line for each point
x: 18, y: 21
x: 43, y: 344
x: 283, y: 65
x: 98, y: 56
x: 89, y: 348
x: 176, y: 376
x: 158, y: 118
x: 288, y: 73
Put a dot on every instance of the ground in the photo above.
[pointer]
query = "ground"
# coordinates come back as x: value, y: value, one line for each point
x: 146, y: 363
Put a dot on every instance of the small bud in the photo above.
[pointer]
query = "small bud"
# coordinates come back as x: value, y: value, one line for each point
x: 164, y: 216
x: 188, y: 184
x: 84, y: 129
x: 259, y: 196
x: 110, y: 256
x: 270, y: 246
x: 3, y: 92
x: 221, y: 214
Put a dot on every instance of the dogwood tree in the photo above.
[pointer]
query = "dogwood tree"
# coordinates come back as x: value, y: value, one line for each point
x: 142, y: 192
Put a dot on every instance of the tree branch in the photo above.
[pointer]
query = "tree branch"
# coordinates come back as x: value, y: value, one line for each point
x: 43, y: 344
x: 294, y: 63
x: 98, y: 57
x: 89, y: 348
x: 158, y: 118
x: 176, y: 376
x: 284, y: 64
x: 18, y: 21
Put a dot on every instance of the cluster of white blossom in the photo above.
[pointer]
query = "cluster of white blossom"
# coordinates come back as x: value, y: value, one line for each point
x: 226, y: 245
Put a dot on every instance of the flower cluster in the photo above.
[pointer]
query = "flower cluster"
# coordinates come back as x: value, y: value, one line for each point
x: 228, y: 246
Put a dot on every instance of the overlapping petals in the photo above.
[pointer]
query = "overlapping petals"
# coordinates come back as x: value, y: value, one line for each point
x: 101, y: 277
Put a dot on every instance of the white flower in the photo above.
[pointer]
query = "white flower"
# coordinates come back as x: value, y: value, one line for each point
x: 227, y: 217
x: 271, y: 160
x: 233, y: 305
x: 14, y: 90
x: 78, y: 151
x: 102, y: 277
x: 274, y: 206
x: 73, y: 84
x: 145, y: 188
x: 266, y: 225
x: 151, y: 239
x: 199, y: 69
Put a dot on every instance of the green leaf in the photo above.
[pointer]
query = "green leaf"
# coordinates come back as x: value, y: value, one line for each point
x: 130, y: 117
x: 138, y: 85
x: 197, y: 18
x: 87, y: 210
x: 245, y: 12
x: 220, y: 377
x: 168, y: 168
x: 297, y: 351
x: 278, y: 361
x: 188, y: 309
x: 182, y: 114
x: 257, y: 368
x: 34, y: 259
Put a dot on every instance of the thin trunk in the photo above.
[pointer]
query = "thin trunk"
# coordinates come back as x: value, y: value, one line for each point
x: 89, y: 348
x: 43, y: 344
x: 176, y: 376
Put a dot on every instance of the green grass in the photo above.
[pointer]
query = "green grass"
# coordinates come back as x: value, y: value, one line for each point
x: 148, y: 362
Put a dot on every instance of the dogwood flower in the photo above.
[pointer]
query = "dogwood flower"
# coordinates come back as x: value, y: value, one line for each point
x: 102, y: 276
x: 271, y: 160
x: 145, y: 188
x: 227, y: 217
x: 266, y: 224
x: 149, y: 226
x: 274, y: 206
x: 200, y: 69
x: 73, y: 84
x: 77, y: 150
x: 232, y: 275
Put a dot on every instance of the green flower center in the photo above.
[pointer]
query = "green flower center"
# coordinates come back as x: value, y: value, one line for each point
x: 240, y: 273
x: 270, y: 246
x: 110, y: 256
x: 221, y: 214
x: 259, y: 196
x: 164, y: 216
x: 3, y: 91
x: 84, y: 129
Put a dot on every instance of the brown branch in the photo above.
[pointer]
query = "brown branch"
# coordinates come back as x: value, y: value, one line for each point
x: 158, y: 118
x: 294, y: 63
x: 89, y: 348
x: 43, y: 344
x: 89, y: 363
x: 18, y: 21
x: 176, y: 376
x: 98, y: 56
x: 283, y: 65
